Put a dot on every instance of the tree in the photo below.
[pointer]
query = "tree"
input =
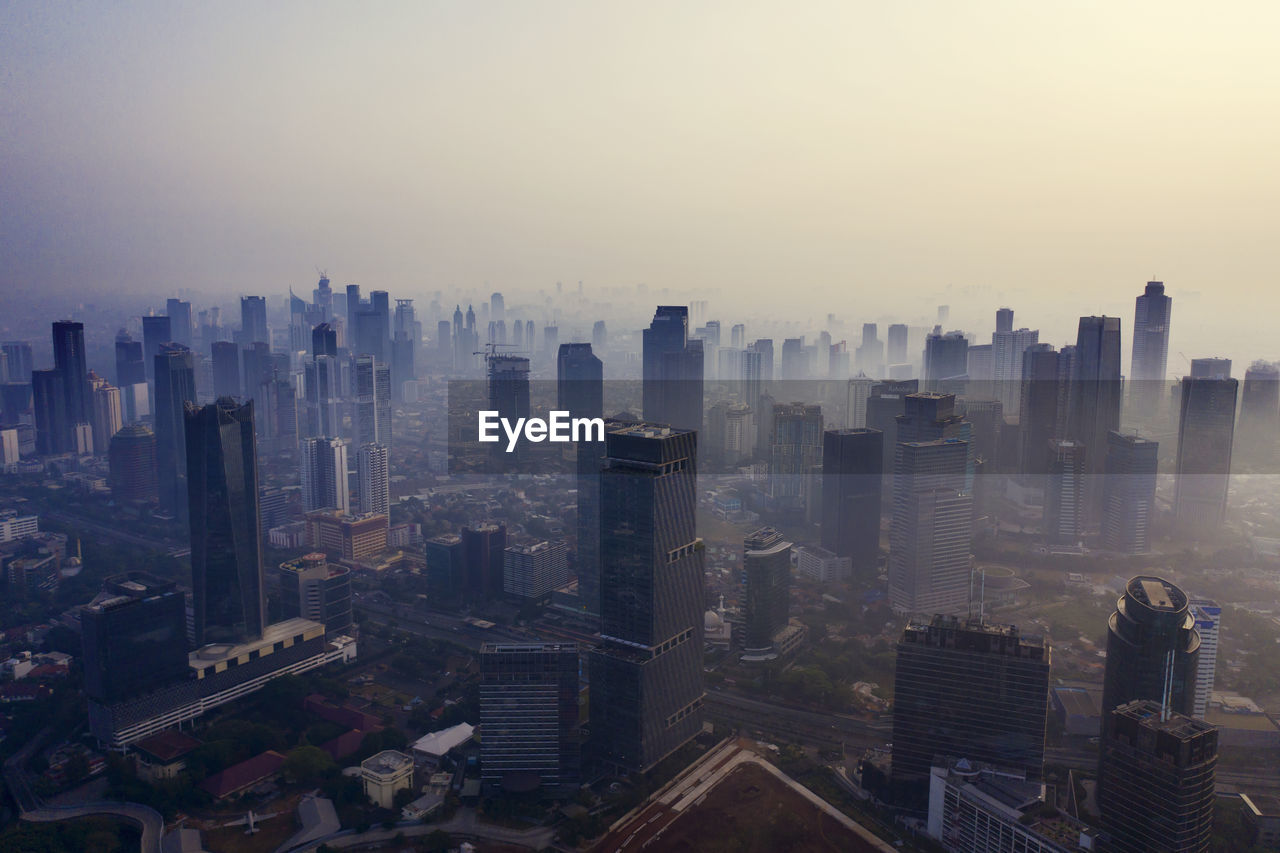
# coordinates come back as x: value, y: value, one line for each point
x: 307, y: 764
x: 437, y: 841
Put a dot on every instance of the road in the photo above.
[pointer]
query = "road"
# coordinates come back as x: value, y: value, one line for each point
x: 144, y: 817
x: 464, y: 824
x: 110, y: 532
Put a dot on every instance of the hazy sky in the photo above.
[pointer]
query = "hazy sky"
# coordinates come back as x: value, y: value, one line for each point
x: 1048, y: 155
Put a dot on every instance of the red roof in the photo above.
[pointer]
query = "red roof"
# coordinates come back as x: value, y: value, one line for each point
x: 166, y: 746
x: 343, y: 716
x: 243, y: 775
x: 344, y: 744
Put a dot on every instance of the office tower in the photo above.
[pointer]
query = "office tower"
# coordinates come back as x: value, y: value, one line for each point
x: 175, y: 378
x: 226, y: 369
x: 986, y: 420
x: 446, y: 566
x: 108, y: 415
x: 49, y: 405
x: 322, y: 385
x: 550, y: 340
x: 1008, y: 348
x: 69, y: 360
x: 929, y: 416
x: 82, y: 439
x: 672, y: 370
x: 404, y: 344
x: 888, y: 400
x: 257, y: 368
x: 280, y: 413
x: 599, y: 335
x: 324, y: 341
x: 253, y: 320
x: 135, y: 638
x: 857, y: 394
x: 945, y: 356
x: 795, y: 448
x: 497, y: 307
x: 179, y: 312
x: 966, y: 687
x: 313, y: 588
x: 729, y: 367
x: 132, y: 464
x: 764, y: 346
x: 1039, y: 414
x: 1064, y: 493
x: 1256, y: 440
x: 1210, y: 368
x: 738, y: 336
x: 130, y: 368
x: 20, y: 360
x: 226, y: 541
x: 646, y: 674
x: 482, y: 551
x: 444, y: 343
x: 766, y: 564
x: 1004, y: 320
x: 273, y: 509
x: 1206, y: 431
x: 852, y: 478
x: 374, y: 479
x: 533, y: 571
x: 870, y: 355
x: 579, y: 381
x: 1208, y: 618
x: 1129, y: 493
x: 370, y: 335
x: 792, y: 363
x: 930, y: 531
x: 980, y: 366
x: 750, y: 377
x: 838, y: 361
x: 324, y: 474
x: 1156, y: 782
x: 517, y: 334
x: 354, y: 304
x: 155, y: 331
x: 10, y: 449
x: 528, y: 335
x: 1153, y: 650
x: 15, y: 401
x: 509, y: 397
x: 1148, y: 370
x: 529, y: 714
x: 1095, y: 402
x: 366, y: 403
x: 896, y: 349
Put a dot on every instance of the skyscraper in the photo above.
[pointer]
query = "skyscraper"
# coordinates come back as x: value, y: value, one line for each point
x: 532, y: 571
x: 69, y: 360
x: 1156, y: 780
x: 1208, y: 616
x: 1008, y: 347
x: 1206, y: 432
x: 856, y: 396
x: 374, y: 478
x: 1064, y: 493
x: 1039, y: 414
x: 366, y: 402
x: 945, y: 356
x: 226, y: 542
x: 130, y: 368
x: 579, y: 381
x: 1095, y: 401
x: 20, y: 360
x: 1153, y: 649
x: 1148, y: 370
x: 179, y: 312
x: 852, y: 479
x: 132, y: 464
x: 135, y: 638
x: 1129, y: 493
x: 482, y: 551
x: 766, y: 563
x: 886, y: 403
x: 107, y: 413
x: 49, y: 406
x: 672, y: 370
x: 795, y: 448
x: 155, y: 331
x: 966, y: 687
x: 253, y: 320
x: 226, y: 369
x: 313, y: 588
x: 896, y: 350
x: 446, y: 566
x: 529, y: 713
x: 324, y: 474
x: 646, y: 675
x: 930, y: 532
x: 175, y: 376
x: 1259, y: 431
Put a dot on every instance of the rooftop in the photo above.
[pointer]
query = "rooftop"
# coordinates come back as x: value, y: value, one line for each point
x: 386, y: 763
x: 289, y: 629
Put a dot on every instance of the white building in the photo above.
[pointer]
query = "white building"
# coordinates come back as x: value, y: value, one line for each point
x: 14, y: 526
x: 819, y: 564
x: 532, y: 571
x: 324, y: 475
x: 372, y: 463
x: 384, y: 775
x: 1208, y: 616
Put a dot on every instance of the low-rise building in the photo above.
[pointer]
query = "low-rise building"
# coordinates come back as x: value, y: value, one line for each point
x: 384, y: 774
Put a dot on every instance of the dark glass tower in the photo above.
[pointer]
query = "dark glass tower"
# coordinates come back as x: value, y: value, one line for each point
x: 130, y: 367
x: 175, y: 387
x: 767, y: 565
x: 135, y: 639
x: 672, y: 370
x: 1157, y: 772
x: 253, y: 320
x: 1147, y: 372
x: 49, y: 405
x: 1206, y: 432
x: 1095, y: 393
x: 1039, y: 415
x: 226, y: 369
x: 965, y: 687
x: 156, y: 330
x: 579, y: 381
x: 226, y: 540
x: 1259, y: 429
x: 69, y: 360
x: 646, y: 675
x: 482, y: 550
x: 1153, y: 649
x: 852, y: 478
x: 888, y: 400
x: 1129, y: 493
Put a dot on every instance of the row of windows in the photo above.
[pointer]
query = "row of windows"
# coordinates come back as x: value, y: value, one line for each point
x: 684, y: 712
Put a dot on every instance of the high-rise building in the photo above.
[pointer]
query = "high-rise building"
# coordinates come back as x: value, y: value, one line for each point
x: 931, y: 416
x: 175, y: 382
x: 226, y: 541
x: 1206, y: 432
x: 646, y: 674
x: 1156, y: 782
x: 155, y: 331
x: 226, y: 369
x: 1129, y: 493
x: 795, y: 448
x: 766, y: 564
x: 1096, y: 390
x: 49, y: 406
x: 132, y: 461
x: 20, y: 360
x: 529, y: 713
x: 483, y: 549
x: 896, y: 349
x: 322, y: 385
x: 1039, y: 409
x: 672, y: 370
x: 1008, y: 347
x: 1258, y: 435
x: 599, y: 336
x: 446, y: 566
x: 886, y: 403
x: 179, y: 312
x: 405, y: 341
x: 135, y: 638
x: 852, y: 479
x: 856, y: 396
x: 579, y: 381
x: 1153, y: 650
x: 870, y: 354
x: 966, y: 687
x: 1208, y: 616
x: 69, y: 360
x: 313, y: 588
x: 764, y: 346
x: 130, y: 367
x: 930, y: 532
x: 107, y: 413
x: 324, y: 474
x: 373, y: 467
x: 945, y: 356
x: 253, y: 320
x: 366, y: 402
x: 533, y: 571
x: 1148, y: 370
x: 1064, y: 493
